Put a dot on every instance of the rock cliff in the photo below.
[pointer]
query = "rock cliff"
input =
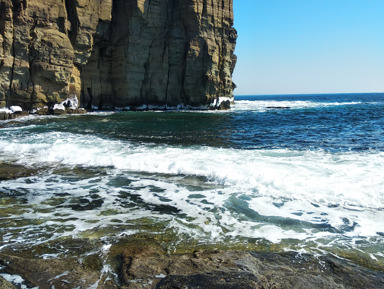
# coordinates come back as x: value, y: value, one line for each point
x: 116, y: 53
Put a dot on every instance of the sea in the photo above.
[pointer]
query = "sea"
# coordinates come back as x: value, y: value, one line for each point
x: 275, y: 173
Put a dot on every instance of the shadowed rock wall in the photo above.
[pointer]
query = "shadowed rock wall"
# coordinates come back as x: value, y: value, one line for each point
x: 116, y: 53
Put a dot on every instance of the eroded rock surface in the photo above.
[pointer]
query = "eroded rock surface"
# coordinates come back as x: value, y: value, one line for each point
x: 116, y: 53
x: 10, y: 171
x: 143, y: 263
x: 238, y: 269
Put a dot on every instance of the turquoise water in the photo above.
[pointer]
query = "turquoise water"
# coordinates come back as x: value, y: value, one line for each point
x: 299, y: 172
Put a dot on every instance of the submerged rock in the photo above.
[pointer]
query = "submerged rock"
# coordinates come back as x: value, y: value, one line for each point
x: 278, y: 107
x: 224, y: 105
x: 13, y: 171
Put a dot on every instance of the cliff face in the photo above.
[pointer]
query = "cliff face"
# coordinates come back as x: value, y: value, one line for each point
x: 116, y: 53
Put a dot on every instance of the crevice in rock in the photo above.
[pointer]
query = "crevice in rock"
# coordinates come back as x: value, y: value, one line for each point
x: 101, y: 102
x: 145, y: 91
x: 183, y: 95
x: 73, y: 18
x: 165, y: 52
x: 212, y: 16
x: 31, y: 58
x: 18, y: 7
x: 13, y: 52
x: 61, y: 25
x: 205, y: 9
x: 167, y: 28
x: 89, y: 104
x: 2, y: 18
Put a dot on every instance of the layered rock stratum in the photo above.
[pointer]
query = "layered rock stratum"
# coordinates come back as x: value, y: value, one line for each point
x: 116, y: 54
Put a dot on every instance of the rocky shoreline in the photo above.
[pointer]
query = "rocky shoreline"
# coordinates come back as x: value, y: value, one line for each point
x: 143, y: 263
x: 150, y: 261
x: 68, y: 106
x: 8, y: 114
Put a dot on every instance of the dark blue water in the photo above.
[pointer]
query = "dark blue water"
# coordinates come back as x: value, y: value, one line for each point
x: 332, y: 122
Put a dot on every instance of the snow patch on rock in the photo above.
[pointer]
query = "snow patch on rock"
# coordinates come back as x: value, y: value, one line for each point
x: 71, y: 102
x: 15, y: 108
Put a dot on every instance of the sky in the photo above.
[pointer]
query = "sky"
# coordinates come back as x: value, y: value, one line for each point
x: 309, y: 46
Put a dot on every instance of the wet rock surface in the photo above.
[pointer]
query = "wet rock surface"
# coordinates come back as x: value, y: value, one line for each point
x: 66, y: 263
x: 7, y: 116
x: 234, y: 269
x: 145, y: 264
x: 13, y: 171
x: 47, y: 273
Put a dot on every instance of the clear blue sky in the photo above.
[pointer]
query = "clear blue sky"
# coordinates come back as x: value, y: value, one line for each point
x: 309, y: 46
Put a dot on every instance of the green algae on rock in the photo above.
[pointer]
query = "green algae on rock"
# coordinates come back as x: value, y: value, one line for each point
x: 14, y: 171
x: 143, y: 261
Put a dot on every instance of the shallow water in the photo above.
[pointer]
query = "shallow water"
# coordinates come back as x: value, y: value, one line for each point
x: 293, y: 172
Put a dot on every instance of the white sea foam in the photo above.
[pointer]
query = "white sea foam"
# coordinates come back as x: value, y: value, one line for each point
x: 6, y: 110
x: 355, y: 179
x: 344, y: 191
x: 17, y: 280
x: 263, y: 105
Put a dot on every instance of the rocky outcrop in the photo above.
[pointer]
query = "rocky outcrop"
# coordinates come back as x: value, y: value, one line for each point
x: 12, y: 113
x: 149, y: 267
x: 238, y: 269
x: 10, y: 171
x: 116, y: 53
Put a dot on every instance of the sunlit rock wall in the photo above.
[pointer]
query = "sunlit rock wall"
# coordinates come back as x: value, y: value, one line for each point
x: 116, y: 53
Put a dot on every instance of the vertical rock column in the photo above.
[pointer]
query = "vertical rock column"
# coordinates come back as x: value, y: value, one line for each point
x: 43, y: 46
x: 6, y: 60
x: 90, y: 36
x: 162, y: 53
x: 36, y: 56
x: 210, y: 53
